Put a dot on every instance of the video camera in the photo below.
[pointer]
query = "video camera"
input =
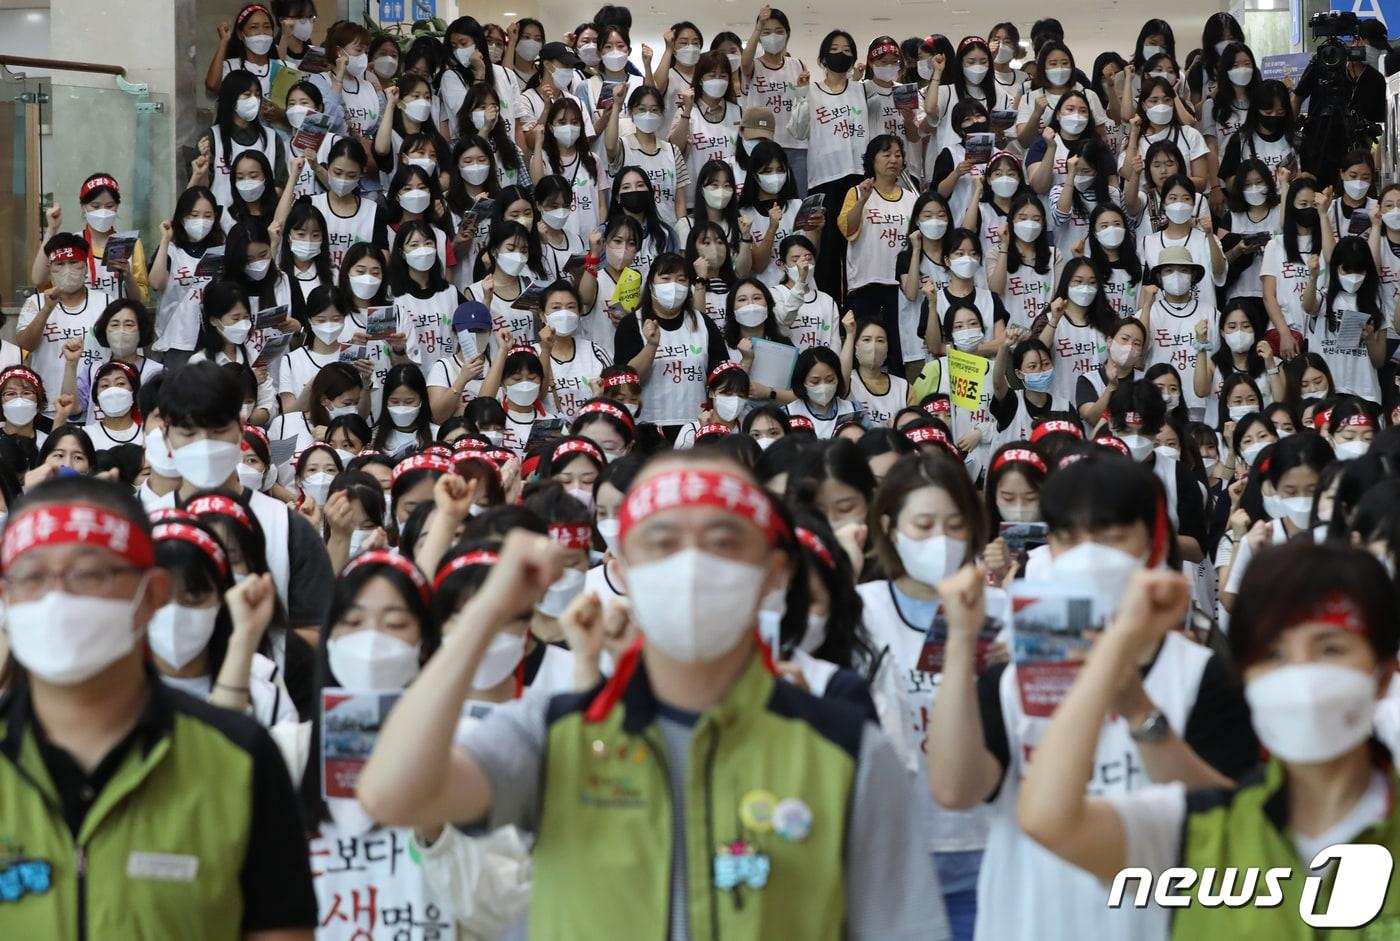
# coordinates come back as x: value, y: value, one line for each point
x: 1329, y: 26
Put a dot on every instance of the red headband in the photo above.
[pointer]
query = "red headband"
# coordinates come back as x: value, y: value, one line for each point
x: 884, y: 49
x: 800, y: 421
x: 369, y: 452
x: 578, y: 446
x: 420, y: 462
x: 627, y: 378
x: 1361, y: 420
x: 67, y: 253
x: 811, y: 542
x: 476, y: 457
x: 258, y: 433
x: 925, y: 435
x: 27, y: 375
x: 1132, y: 418
x: 522, y: 348
x: 684, y: 488
x: 720, y: 370
x: 222, y: 506
x: 468, y: 444
x: 1321, y: 418
x: 939, y: 407
x: 441, y: 450
x: 607, y: 408
x: 1000, y: 154
x: 97, y: 183
x: 1339, y: 611
x: 1055, y: 427
x: 529, y: 466
x: 500, y: 455
x: 1021, y: 456
x: 1108, y: 441
x: 69, y: 523
x: 197, y: 538
x: 571, y: 535
x: 711, y: 428
x: 461, y: 562
x: 248, y: 11
x: 394, y: 561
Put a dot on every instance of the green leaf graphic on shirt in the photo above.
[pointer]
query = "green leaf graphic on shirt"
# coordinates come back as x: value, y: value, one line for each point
x: 697, y: 350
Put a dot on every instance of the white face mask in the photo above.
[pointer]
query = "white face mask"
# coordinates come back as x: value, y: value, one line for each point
x: 588, y: 52
x: 372, y: 660
x: 463, y: 54
x: 365, y: 286
x: 1027, y: 230
x: 714, y: 87
x: 1020, y: 513
x: 356, y: 65
x: 301, y: 29
x: 610, y: 529
x: 669, y: 295
x: 694, y: 606
x: 101, y: 220
x: 67, y: 639
x: 647, y: 121
x: 975, y: 73
x: 498, y: 660
x: 773, y: 43
x: 821, y: 394
x: 115, y: 402
x: 964, y: 266
x: 1164, y: 451
x: 20, y: 411
x: 888, y: 73
x: 1350, y: 450
x: 1179, y: 212
x: 1256, y: 195
x: 1296, y: 510
x: 257, y: 270
x: 123, y: 343
x: 556, y: 218
x: 564, y: 589
x: 178, y: 634
x: 328, y: 332
x: 1072, y: 122
x: 727, y: 406
x: 1311, y: 713
x: 1391, y: 218
x: 317, y: 486
x: 523, y: 393
x: 969, y: 339
x: 1240, y: 77
x: 1351, y: 283
x: 342, y: 187
x: 1083, y: 294
x: 1160, y: 114
x: 751, y: 315
x: 250, y: 477
x: 306, y: 249
x: 1176, y: 282
x: 421, y: 259
x: 925, y: 69
x: 1058, y: 77
x: 1004, y: 186
x: 1356, y: 188
x: 248, y: 108
x: 1111, y: 236
x: 1005, y: 53
x: 933, y: 228
x: 1251, y: 452
x: 403, y: 416
x: 687, y: 55
x: 207, y: 463
x: 614, y: 60
x: 1139, y: 446
x: 1236, y: 412
x: 1151, y: 52
x: 563, y: 322
x: 386, y: 66
x: 1240, y: 341
x: 566, y: 135
x: 474, y: 173
x: 196, y: 228
x: 717, y: 197
x: 512, y: 263
x: 929, y: 561
x: 414, y: 200
x: 1172, y: 401
x: 235, y: 333
x: 157, y: 455
x: 1121, y: 353
x: 765, y: 443
x: 258, y: 45
x: 1099, y: 570
x: 419, y: 109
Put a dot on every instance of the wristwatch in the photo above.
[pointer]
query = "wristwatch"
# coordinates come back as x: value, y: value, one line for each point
x: 1153, y: 729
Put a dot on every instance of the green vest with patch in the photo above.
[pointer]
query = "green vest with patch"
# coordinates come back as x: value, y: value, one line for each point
x: 159, y: 854
x: 602, y: 862
x: 1247, y: 828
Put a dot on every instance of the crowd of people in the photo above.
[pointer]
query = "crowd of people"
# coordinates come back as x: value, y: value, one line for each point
x: 538, y: 485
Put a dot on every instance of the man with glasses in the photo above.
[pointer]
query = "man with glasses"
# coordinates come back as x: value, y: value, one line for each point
x: 127, y: 809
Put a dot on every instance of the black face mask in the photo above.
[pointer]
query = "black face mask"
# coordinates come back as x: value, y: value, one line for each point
x: 635, y: 201
x: 1306, y: 217
x: 976, y: 127
x: 839, y: 61
x: 1271, y: 123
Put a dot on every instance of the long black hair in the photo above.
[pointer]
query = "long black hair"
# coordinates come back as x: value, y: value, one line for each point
x: 232, y: 87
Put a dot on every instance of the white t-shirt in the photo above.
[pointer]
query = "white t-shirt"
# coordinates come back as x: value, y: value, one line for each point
x: 1173, y: 337
x: 1247, y: 283
x: 64, y: 324
x: 880, y: 408
x: 1198, y: 244
x: 708, y: 140
x: 1290, y: 278
x: 571, y: 376
x: 344, y: 231
x: 870, y: 256
x: 838, y: 134
x: 776, y: 90
x: 1352, y: 372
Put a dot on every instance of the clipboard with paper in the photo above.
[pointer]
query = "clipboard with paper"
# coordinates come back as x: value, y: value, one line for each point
x: 773, y: 363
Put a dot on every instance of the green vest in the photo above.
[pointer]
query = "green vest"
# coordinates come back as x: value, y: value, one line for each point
x: 160, y: 851
x: 602, y: 861
x: 1247, y: 828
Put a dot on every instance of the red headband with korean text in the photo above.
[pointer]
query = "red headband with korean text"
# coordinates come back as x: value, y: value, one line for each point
x: 76, y: 523
x: 683, y: 488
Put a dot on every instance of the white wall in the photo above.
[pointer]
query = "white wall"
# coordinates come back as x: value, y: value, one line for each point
x: 25, y: 33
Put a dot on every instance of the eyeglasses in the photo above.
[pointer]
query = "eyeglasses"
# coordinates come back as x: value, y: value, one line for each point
x: 82, y: 580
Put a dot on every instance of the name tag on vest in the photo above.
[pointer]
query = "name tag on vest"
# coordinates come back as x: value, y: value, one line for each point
x: 168, y: 867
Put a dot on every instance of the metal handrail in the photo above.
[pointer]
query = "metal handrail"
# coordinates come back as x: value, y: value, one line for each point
x: 62, y: 65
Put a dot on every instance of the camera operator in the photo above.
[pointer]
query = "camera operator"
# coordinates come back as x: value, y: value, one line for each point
x: 1345, y: 95
x: 1379, y: 54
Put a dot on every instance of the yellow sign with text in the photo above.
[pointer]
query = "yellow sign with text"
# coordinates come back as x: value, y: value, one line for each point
x: 967, y: 374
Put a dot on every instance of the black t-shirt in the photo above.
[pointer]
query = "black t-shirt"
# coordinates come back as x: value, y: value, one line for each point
x: 1217, y: 728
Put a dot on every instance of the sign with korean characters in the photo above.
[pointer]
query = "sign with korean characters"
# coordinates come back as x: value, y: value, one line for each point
x: 967, y: 374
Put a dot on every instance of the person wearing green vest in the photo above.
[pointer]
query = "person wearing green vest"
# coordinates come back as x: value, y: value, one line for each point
x: 1314, y: 636
x: 692, y: 795
x: 127, y: 809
